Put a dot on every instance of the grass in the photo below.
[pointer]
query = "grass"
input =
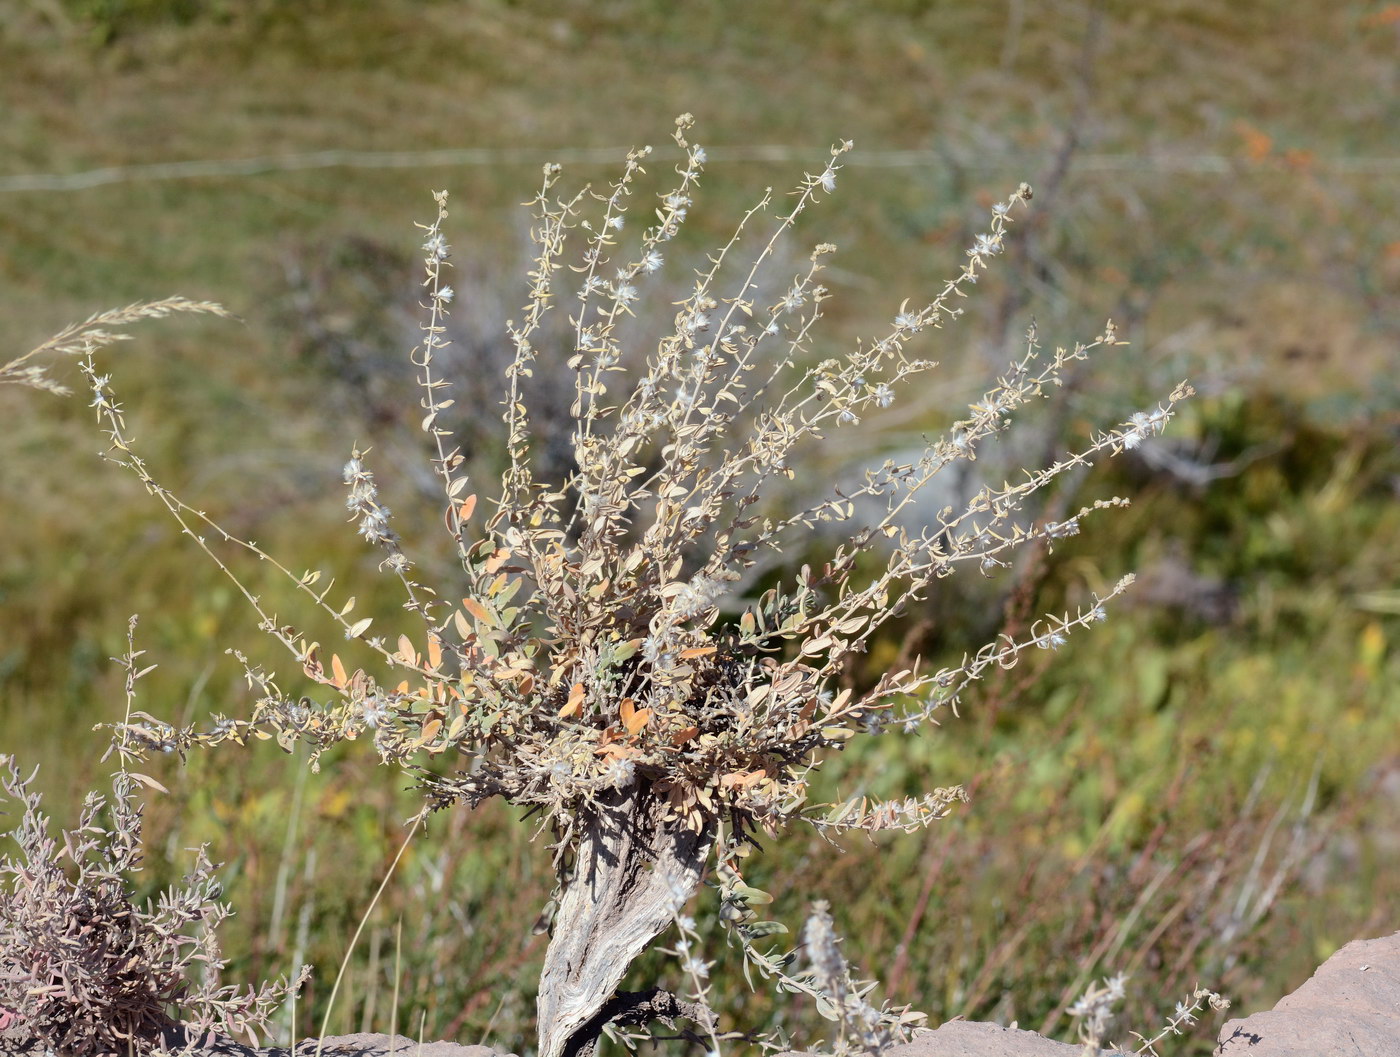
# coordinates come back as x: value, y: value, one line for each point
x: 1276, y: 282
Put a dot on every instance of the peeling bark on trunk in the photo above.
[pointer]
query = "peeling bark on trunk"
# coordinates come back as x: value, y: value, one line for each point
x: 627, y: 872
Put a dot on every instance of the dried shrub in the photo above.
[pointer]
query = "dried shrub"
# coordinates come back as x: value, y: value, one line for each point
x: 608, y: 667
x: 84, y: 968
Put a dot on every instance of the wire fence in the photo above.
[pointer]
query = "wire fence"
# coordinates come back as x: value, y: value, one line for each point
x: 1139, y: 164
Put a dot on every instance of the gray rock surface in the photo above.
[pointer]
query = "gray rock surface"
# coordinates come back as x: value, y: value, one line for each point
x: 373, y: 1045
x: 361, y: 1044
x: 971, y: 1038
x: 1349, y: 1008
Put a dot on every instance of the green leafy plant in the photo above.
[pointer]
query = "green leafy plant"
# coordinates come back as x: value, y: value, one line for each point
x: 613, y: 664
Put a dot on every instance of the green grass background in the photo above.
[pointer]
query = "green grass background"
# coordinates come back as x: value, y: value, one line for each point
x: 1229, y: 199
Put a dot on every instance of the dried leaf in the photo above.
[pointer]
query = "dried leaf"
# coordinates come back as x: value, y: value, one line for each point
x: 742, y: 779
x: 147, y: 780
x: 574, y: 705
x: 634, y: 719
x: 479, y: 612
x: 682, y: 736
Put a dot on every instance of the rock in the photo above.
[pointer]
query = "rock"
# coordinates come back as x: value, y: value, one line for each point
x: 362, y: 1044
x: 1349, y: 1008
x: 378, y: 1045
x: 971, y: 1038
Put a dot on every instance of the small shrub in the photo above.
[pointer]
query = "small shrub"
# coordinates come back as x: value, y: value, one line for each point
x: 611, y: 665
x: 85, y: 970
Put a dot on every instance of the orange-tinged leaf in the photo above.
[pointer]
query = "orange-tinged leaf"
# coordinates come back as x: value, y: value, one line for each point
x: 680, y: 737
x: 742, y: 779
x: 402, y: 688
x: 498, y: 558
x: 480, y: 613
x: 626, y: 709
x: 697, y: 651
x: 574, y: 705
x: 615, y: 752
x: 431, y: 728
x: 434, y: 651
x: 338, y: 676
x: 639, y: 720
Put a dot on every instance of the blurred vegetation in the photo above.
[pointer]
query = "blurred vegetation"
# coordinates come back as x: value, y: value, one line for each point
x: 1204, y: 789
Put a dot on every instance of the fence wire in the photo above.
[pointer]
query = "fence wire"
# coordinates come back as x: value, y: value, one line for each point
x: 1134, y: 164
